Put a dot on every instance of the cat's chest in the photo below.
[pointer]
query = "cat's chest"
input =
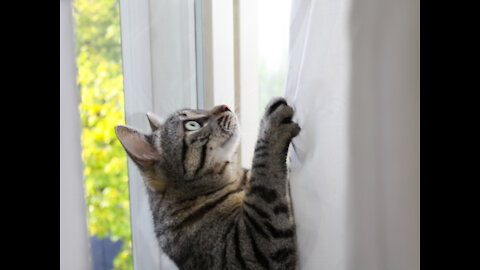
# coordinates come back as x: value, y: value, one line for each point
x: 205, y: 234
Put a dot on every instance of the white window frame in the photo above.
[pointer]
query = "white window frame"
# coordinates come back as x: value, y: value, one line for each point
x: 246, y: 75
x: 230, y: 64
x: 74, y: 252
x: 209, y: 58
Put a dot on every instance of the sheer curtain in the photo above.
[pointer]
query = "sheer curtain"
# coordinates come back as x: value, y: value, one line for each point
x: 353, y: 80
x: 74, y: 252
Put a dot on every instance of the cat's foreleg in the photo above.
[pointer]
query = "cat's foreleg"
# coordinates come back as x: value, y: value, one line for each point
x: 267, y: 217
x: 269, y: 169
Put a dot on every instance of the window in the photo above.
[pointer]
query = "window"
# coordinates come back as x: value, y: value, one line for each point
x: 273, y: 35
x: 244, y: 56
x: 100, y: 79
x: 158, y: 56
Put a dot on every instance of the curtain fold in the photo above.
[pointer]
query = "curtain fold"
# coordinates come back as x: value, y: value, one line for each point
x: 353, y: 80
x: 74, y: 250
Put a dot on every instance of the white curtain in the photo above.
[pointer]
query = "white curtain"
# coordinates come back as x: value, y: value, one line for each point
x: 74, y: 252
x: 353, y: 80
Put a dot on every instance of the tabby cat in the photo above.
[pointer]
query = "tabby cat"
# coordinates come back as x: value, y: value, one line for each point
x: 208, y: 212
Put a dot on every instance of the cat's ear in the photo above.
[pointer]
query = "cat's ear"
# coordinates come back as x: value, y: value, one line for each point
x: 137, y: 145
x: 155, y: 121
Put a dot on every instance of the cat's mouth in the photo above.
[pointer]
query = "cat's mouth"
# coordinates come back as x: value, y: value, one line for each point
x: 230, y: 129
x: 227, y: 122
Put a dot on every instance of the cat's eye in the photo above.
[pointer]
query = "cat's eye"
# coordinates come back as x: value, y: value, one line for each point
x: 192, y: 125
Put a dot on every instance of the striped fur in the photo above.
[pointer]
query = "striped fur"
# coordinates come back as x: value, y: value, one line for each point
x: 208, y: 212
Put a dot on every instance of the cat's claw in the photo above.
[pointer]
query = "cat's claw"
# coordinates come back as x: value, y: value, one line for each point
x: 278, y: 119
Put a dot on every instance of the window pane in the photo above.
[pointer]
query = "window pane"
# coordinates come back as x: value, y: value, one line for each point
x: 273, y: 34
x: 100, y: 79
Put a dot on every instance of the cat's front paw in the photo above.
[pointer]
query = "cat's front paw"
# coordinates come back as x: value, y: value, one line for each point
x: 277, y: 120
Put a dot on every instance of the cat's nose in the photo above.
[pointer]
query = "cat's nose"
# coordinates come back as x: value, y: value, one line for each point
x: 224, y: 108
x: 221, y: 108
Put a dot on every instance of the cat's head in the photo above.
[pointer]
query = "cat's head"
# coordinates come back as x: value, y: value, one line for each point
x: 188, y: 144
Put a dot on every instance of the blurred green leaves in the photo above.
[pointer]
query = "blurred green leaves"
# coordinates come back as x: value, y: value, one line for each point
x: 99, y: 61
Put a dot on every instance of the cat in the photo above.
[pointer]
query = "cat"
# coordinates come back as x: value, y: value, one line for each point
x: 208, y: 212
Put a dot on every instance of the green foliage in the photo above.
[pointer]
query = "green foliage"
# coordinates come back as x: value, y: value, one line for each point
x: 99, y: 61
